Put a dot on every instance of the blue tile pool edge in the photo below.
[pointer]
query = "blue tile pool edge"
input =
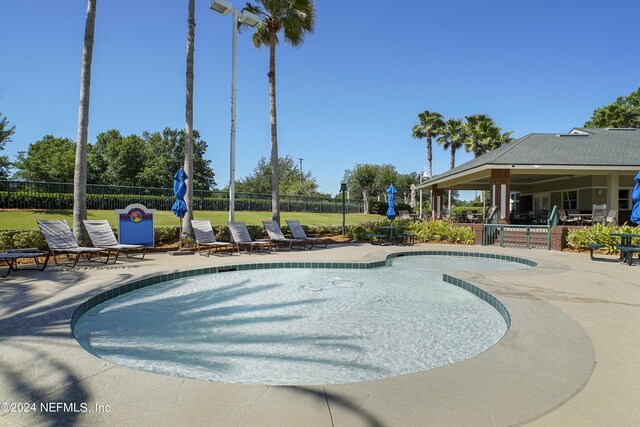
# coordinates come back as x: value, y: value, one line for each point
x: 139, y: 284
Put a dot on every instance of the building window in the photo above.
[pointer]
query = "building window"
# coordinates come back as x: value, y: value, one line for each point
x: 540, y: 202
x: 570, y: 199
x: 624, y: 199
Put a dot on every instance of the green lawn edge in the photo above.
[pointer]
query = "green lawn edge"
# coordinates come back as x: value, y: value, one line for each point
x: 26, y: 219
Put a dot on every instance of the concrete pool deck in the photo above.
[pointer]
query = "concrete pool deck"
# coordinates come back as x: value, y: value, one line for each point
x: 569, y: 358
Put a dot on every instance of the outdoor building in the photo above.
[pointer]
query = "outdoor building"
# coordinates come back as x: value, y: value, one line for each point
x: 573, y: 171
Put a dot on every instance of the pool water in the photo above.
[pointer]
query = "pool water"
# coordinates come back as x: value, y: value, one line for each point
x: 298, y: 326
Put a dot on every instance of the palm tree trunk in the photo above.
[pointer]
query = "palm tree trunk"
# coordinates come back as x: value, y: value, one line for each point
x: 453, y: 163
x: 429, y: 154
x: 365, y: 200
x: 187, y: 230
x: 275, y: 182
x: 80, y: 173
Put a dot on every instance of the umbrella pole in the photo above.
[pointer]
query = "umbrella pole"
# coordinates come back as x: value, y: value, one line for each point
x: 180, y: 238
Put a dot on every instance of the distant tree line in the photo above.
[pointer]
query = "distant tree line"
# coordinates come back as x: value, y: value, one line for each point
x: 292, y: 181
x: 5, y: 136
x: 148, y: 160
x: 367, y: 180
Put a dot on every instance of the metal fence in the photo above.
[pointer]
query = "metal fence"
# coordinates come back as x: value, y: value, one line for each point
x: 536, y: 236
x: 59, y: 196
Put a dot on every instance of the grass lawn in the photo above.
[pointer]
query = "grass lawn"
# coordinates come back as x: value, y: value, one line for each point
x: 26, y: 219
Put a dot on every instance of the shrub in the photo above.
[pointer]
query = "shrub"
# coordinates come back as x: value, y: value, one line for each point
x: 22, y: 239
x: 599, y: 233
x: 165, y: 234
x: 442, y: 231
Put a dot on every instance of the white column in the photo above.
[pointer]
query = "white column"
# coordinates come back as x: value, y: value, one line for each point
x: 613, y: 185
x: 503, y: 201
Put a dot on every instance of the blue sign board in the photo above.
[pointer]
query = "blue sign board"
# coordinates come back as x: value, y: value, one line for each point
x: 135, y: 225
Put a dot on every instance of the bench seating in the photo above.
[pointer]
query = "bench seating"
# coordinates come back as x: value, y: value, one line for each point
x: 592, y: 247
x: 628, y: 251
x: 408, y: 239
x: 377, y: 239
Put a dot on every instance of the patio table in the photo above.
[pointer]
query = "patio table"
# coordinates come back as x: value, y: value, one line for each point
x: 625, y: 242
x: 582, y: 218
x: 391, y: 240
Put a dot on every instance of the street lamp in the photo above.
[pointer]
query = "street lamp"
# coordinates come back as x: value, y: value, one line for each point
x: 343, y: 189
x: 247, y: 18
x: 301, y: 159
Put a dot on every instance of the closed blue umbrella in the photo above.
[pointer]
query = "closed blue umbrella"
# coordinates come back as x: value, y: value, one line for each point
x: 391, y: 210
x: 635, y: 213
x: 179, y: 208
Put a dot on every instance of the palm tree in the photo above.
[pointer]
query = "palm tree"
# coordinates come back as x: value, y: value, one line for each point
x: 452, y: 138
x: 296, y: 18
x: 80, y: 173
x: 187, y: 230
x: 430, y: 126
x: 481, y: 136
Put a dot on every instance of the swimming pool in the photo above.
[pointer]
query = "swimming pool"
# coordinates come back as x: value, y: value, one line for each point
x: 300, y: 325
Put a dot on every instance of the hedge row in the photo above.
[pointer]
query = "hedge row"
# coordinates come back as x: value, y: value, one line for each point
x: 62, y: 201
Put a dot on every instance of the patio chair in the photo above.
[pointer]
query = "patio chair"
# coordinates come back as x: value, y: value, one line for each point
x: 599, y: 216
x: 102, y: 236
x: 241, y: 237
x: 564, y: 218
x: 298, y: 233
x: 60, y: 240
x: 278, y: 239
x: 404, y: 215
x: 612, y: 217
x: 206, y: 237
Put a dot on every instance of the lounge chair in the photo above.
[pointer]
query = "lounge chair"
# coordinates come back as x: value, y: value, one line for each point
x: 278, y: 239
x: 11, y: 257
x: 206, y: 237
x: 612, y: 217
x: 60, y: 240
x: 242, y: 238
x: 102, y: 236
x: 298, y: 233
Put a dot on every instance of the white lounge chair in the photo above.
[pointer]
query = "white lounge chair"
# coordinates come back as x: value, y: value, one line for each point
x: 60, y: 240
x: 102, y: 236
x: 298, y: 233
x: 206, y: 237
x: 277, y: 238
x: 241, y: 237
x: 11, y: 257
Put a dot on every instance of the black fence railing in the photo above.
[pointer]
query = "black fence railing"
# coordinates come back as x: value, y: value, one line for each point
x: 59, y: 196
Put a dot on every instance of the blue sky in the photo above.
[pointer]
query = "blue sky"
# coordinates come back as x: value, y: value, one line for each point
x: 349, y: 95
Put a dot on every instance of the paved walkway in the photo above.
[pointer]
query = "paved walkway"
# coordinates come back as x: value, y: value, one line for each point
x: 569, y: 358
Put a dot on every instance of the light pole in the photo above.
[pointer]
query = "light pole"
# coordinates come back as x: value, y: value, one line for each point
x: 343, y: 189
x: 247, y: 18
x: 301, y: 159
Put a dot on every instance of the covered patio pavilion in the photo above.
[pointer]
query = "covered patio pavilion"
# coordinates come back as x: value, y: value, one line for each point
x: 575, y: 170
